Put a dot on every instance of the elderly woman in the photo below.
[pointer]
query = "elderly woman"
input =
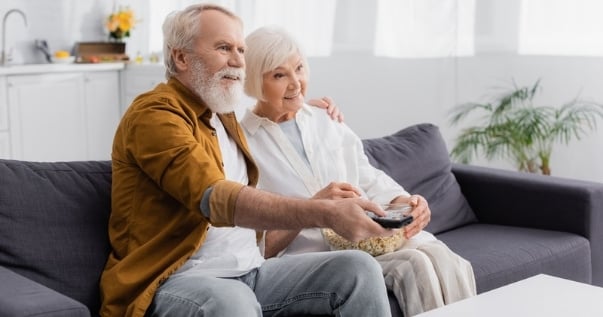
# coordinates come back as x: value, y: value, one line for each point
x: 302, y: 152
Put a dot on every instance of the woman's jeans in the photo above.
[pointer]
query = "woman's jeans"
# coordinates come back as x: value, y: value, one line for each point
x: 338, y: 283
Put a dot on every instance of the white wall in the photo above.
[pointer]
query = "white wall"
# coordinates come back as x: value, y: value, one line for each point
x: 378, y: 95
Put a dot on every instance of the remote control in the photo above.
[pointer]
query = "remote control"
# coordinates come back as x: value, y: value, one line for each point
x: 392, y: 220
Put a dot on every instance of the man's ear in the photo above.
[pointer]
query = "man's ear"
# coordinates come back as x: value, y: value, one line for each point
x: 179, y: 57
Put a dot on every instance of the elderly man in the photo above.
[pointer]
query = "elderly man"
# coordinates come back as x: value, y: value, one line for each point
x: 186, y: 220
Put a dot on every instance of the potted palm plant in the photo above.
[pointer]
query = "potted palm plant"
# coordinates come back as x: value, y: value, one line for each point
x: 512, y: 128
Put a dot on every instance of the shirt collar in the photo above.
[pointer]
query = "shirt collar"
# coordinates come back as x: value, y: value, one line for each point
x: 252, y: 122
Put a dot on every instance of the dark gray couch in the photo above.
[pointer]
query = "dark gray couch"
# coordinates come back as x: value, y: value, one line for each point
x: 53, y: 219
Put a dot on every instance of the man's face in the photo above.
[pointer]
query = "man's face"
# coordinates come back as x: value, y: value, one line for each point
x: 217, y: 64
x: 220, y: 96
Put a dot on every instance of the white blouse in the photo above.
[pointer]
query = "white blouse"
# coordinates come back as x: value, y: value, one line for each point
x: 335, y: 154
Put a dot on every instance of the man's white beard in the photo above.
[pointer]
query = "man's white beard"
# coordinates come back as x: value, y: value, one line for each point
x: 218, y: 98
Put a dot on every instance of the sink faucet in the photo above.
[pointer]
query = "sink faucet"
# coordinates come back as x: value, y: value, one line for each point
x: 3, y: 57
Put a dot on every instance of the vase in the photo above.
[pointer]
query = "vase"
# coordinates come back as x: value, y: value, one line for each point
x: 118, y: 35
x: 116, y: 39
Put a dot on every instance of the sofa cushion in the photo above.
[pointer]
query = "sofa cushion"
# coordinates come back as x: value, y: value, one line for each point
x: 501, y: 255
x: 417, y: 158
x: 53, y: 224
x: 22, y: 297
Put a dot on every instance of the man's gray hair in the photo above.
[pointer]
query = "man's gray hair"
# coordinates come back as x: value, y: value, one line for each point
x: 268, y: 48
x: 181, y: 29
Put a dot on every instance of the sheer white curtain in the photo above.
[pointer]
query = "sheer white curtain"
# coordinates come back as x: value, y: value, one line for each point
x: 425, y: 28
x: 311, y: 22
x: 561, y: 27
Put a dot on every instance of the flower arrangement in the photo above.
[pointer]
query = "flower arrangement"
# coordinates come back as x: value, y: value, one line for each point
x: 120, y: 23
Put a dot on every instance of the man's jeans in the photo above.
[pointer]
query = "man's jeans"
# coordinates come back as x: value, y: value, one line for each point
x: 338, y: 283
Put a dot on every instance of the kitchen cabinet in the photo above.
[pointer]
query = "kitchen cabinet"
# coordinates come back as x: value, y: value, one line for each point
x: 4, y: 145
x: 47, y: 117
x: 4, y: 136
x: 102, y: 112
x: 62, y: 116
x: 137, y: 79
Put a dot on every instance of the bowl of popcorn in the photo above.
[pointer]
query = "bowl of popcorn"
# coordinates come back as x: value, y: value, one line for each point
x: 374, y: 245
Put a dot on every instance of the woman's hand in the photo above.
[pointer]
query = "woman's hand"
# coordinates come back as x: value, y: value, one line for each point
x: 328, y: 104
x: 277, y: 240
x: 420, y: 212
x: 337, y: 191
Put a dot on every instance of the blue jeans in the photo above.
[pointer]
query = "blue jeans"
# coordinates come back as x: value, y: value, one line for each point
x: 338, y: 283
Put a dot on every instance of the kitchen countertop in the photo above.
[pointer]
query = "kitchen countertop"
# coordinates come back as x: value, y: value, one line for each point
x: 145, y: 65
x: 58, y: 68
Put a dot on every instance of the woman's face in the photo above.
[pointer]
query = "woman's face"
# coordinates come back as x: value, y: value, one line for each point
x: 284, y: 89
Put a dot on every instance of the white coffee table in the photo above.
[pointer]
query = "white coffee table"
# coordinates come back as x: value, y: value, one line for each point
x: 540, y: 295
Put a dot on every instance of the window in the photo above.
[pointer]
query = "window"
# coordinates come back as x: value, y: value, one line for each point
x: 297, y: 16
x: 424, y: 28
x: 561, y: 27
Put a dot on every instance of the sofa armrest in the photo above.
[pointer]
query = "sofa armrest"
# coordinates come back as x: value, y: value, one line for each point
x: 20, y: 297
x: 529, y: 200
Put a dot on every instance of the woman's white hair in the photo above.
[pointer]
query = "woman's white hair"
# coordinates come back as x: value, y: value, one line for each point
x: 268, y: 48
x: 181, y: 29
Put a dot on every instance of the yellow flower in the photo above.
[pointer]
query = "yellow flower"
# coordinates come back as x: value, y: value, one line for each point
x: 120, y: 23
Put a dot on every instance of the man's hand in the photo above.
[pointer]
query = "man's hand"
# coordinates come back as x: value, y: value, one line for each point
x: 350, y: 221
x: 328, y: 104
x: 348, y: 217
x: 337, y: 191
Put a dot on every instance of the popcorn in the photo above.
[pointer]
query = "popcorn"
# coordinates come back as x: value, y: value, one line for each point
x: 374, y: 246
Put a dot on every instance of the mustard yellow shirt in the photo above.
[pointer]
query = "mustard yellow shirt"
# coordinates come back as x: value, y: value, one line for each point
x: 165, y: 155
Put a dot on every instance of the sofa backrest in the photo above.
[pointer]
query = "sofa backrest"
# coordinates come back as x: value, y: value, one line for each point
x: 417, y: 158
x: 53, y: 224
x: 54, y: 216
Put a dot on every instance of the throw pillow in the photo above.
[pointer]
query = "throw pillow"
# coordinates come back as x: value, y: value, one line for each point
x: 417, y: 158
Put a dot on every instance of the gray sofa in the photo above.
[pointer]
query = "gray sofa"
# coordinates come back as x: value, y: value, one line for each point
x: 53, y: 219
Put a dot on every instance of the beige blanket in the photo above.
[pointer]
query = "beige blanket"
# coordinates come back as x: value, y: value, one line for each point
x: 425, y: 274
